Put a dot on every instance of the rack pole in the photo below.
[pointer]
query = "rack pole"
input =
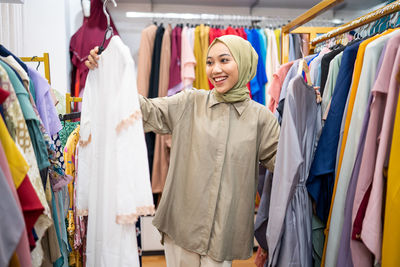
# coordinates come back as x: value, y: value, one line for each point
x: 46, y: 61
x: 363, y: 20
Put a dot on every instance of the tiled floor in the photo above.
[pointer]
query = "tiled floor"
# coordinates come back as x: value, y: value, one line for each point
x: 159, y: 261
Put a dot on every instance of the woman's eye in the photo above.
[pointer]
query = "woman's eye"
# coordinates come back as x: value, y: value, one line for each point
x: 224, y: 60
x: 208, y: 62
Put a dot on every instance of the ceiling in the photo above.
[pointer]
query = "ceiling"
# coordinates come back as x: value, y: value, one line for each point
x: 292, y: 4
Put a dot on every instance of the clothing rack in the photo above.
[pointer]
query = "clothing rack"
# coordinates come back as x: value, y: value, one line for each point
x: 68, y: 100
x: 46, y: 61
x: 273, y: 21
x: 70, y: 115
x: 363, y: 20
x: 310, y: 14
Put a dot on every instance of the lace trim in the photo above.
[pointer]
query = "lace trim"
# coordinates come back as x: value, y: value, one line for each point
x: 125, y: 123
x: 83, y: 143
x: 82, y: 212
x: 132, y: 218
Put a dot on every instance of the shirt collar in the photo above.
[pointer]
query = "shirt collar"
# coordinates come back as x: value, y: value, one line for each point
x: 239, y: 106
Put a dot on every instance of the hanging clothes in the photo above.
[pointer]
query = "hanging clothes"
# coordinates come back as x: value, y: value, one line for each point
x: 154, y: 82
x: 14, y: 221
x: 257, y: 84
x: 22, y: 250
x: 175, y: 81
x: 23, y: 139
x: 44, y: 102
x: 334, y: 66
x: 128, y: 194
x: 276, y: 85
x: 89, y: 35
x: 201, y: 43
x: 188, y: 62
x: 325, y: 61
x: 367, y: 77
x: 69, y: 156
x: 213, y: 33
x: 372, y: 225
x: 364, y: 179
x: 145, y: 58
x: 390, y: 255
x: 30, y: 117
x: 321, y: 177
x: 315, y: 67
x: 277, y: 33
x: 289, y: 224
x: 163, y: 142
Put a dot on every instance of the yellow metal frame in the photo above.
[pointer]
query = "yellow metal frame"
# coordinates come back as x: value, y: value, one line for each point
x: 68, y: 100
x: 46, y: 61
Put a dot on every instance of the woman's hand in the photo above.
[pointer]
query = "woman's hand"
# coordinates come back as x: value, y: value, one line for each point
x: 91, y: 63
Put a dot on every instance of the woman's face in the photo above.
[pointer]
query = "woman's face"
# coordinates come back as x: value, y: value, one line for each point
x: 222, y: 69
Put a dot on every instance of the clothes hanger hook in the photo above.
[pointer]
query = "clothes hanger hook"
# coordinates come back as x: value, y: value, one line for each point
x: 37, y: 67
x: 105, y: 11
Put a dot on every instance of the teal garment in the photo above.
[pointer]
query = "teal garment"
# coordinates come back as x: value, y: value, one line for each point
x: 263, y: 45
x: 61, y: 233
x: 334, y: 67
x: 318, y: 239
x: 68, y: 128
x: 32, y: 121
x: 32, y: 90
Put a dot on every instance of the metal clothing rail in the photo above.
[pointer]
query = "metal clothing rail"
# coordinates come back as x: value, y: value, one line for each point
x: 354, y: 24
x: 214, y: 17
x: 46, y: 61
x: 70, y: 99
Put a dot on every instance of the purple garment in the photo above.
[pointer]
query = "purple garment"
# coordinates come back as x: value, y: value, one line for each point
x: 380, y: 60
x: 344, y: 254
x: 175, y: 67
x: 44, y: 102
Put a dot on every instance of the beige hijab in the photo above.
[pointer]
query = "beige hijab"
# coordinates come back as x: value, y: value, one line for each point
x: 246, y: 58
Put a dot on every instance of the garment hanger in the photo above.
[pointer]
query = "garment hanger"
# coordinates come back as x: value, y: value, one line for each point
x: 304, y: 67
x: 109, y: 31
x: 37, y: 67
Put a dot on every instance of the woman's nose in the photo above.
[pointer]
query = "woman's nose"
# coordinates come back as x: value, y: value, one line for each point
x: 217, y: 69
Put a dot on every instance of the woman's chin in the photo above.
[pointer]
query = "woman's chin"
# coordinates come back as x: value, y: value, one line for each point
x: 221, y: 90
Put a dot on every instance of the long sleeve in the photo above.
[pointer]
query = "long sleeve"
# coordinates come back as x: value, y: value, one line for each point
x: 161, y: 114
x: 269, y: 141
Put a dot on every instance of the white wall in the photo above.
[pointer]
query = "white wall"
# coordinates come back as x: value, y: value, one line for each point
x: 45, y: 31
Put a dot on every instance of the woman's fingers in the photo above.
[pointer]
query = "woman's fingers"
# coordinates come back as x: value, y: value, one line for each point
x: 91, y: 63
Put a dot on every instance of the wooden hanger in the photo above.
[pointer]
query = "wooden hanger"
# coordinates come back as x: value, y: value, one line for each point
x: 304, y: 67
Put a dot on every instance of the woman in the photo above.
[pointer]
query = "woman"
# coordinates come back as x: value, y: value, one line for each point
x: 219, y: 137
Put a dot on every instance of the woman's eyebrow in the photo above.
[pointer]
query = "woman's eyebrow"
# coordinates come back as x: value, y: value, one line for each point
x: 222, y: 55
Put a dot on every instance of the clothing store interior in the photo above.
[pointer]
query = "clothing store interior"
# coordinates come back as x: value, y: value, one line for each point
x: 235, y: 133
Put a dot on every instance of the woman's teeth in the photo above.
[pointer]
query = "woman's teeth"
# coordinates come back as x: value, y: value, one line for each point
x: 220, y: 79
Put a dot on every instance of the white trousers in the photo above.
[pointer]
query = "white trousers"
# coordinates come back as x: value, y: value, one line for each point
x: 180, y: 257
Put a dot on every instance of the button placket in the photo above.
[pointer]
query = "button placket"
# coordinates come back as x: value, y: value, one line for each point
x: 221, y: 151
